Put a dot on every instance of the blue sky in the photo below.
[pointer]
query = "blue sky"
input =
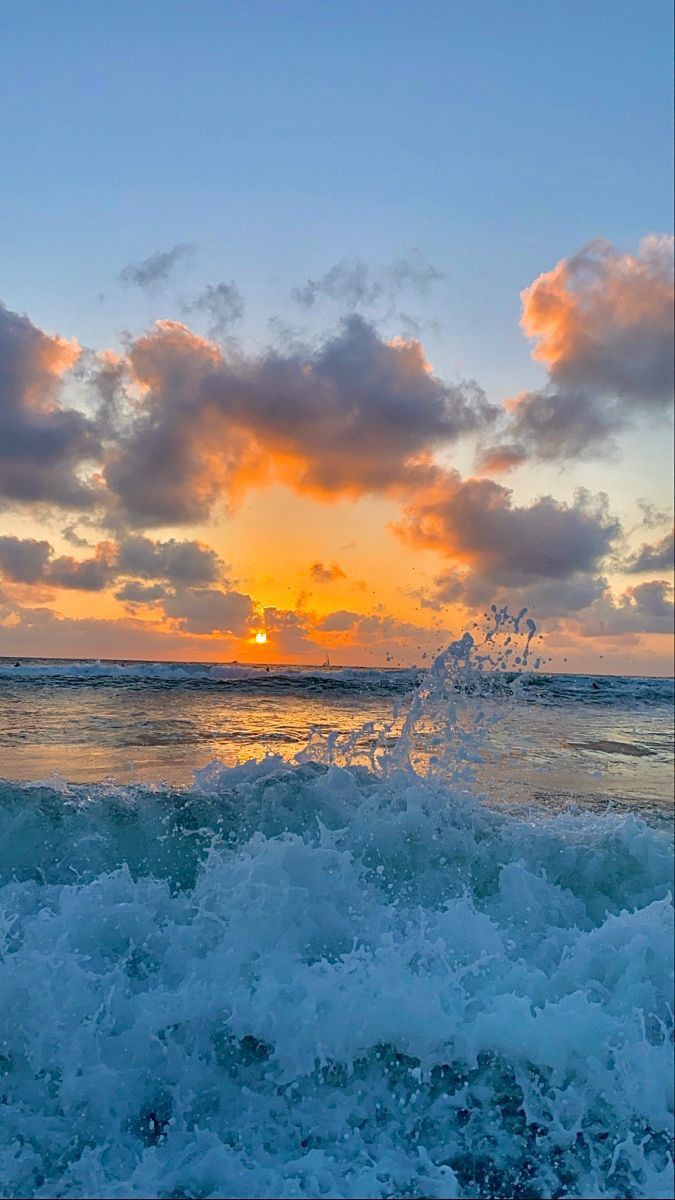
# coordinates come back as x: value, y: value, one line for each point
x: 281, y: 137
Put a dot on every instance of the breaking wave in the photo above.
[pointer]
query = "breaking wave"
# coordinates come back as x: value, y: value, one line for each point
x: 533, y: 686
x: 345, y: 976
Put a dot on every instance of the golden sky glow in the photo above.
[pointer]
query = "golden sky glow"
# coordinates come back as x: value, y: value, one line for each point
x: 212, y: 502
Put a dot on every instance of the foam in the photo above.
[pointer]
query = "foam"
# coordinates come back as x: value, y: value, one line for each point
x: 321, y: 982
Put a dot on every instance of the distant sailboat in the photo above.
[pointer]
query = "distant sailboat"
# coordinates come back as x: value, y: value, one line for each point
x: 327, y: 660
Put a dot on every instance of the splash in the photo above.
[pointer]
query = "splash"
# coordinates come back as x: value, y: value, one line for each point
x: 441, y: 727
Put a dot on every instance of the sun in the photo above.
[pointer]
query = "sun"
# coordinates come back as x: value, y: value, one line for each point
x: 261, y: 638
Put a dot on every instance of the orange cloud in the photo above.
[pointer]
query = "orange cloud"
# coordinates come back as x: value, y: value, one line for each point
x: 353, y: 416
x: 475, y: 522
x: 323, y: 574
x: 602, y: 322
x: 605, y: 317
x: 52, y: 356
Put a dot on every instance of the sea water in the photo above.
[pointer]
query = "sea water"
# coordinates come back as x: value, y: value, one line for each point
x: 401, y: 936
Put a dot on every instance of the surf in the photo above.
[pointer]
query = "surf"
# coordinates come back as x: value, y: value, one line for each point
x: 345, y: 975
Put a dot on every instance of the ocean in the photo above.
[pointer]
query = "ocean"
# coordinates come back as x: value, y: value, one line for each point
x: 298, y: 932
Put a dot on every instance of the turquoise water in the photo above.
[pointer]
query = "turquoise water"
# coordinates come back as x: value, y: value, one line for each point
x: 358, y: 972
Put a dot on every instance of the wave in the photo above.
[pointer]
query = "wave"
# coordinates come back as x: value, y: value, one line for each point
x: 303, y: 981
x: 529, y: 687
x: 208, y: 674
x: 615, y: 691
x: 333, y: 978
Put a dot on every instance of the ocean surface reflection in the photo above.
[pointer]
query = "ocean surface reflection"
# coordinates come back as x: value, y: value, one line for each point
x: 589, y: 739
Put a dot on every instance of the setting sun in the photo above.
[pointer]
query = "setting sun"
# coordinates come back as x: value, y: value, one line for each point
x: 261, y: 638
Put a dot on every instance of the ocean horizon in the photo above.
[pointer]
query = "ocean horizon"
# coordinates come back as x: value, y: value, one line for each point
x: 126, y: 660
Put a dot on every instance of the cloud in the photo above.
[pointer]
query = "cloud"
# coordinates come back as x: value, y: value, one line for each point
x: 136, y: 592
x: 29, y: 561
x: 381, y: 635
x: 551, y: 424
x: 174, y: 456
x: 90, y: 575
x: 602, y: 323
x: 294, y: 633
x: 222, y: 303
x: 450, y: 587
x: 288, y: 633
x: 547, y: 600
x: 647, y: 608
x: 23, y: 560
x: 70, y: 534
x: 185, y: 562
x: 356, y: 285
x: 179, y: 564
x: 354, y: 415
x: 581, y: 605
x: 43, y: 444
x: 37, y: 631
x: 183, y: 424
x: 499, y: 458
x: 156, y: 268
x: 653, y: 556
x: 180, y: 569
x: 475, y: 522
x: 338, y: 622
x: 210, y: 610
x: 605, y: 320
x: 652, y: 516
x: 323, y: 574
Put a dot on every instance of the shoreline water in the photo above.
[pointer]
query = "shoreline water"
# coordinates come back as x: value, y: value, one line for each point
x: 584, y: 736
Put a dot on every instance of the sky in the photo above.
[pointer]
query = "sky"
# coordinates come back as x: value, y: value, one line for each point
x: 325, y: 327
